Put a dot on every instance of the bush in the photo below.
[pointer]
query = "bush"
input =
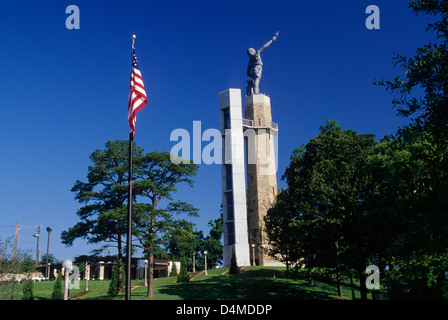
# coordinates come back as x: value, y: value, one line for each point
x: 28, y: 290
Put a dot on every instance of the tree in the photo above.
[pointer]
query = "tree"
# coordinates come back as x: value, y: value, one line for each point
x: 417, y: 158
x: 103, y: 217
x: 114, y: 283
x: 10, y: 264
x: 410, y: 224
x: 233, y: 269
x: 426, y: 71
x: 212, y: 243
x: 174, y: 272
x: 329, y: 192
x: 183, y: 275
x: 51, y: 259
x: 180, y: 240
x: 28, y: 264
x: 57, y: 293
x: 157, y: 179
x: 28, y: 290
x: 286, y: 236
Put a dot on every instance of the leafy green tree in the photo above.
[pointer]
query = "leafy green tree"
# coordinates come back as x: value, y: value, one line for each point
x: 415, y: 162
x: 329, y: 192
x: 28, y: 264
x: 104, y: 195
x: 10, y: 264
x: 426, y: 71
x: 409, y: 224
x: 51, y: 259
x: 282, y: 227
x: 181, y: 240
x: 212, y: 242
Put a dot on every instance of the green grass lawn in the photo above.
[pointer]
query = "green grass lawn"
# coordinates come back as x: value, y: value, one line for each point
x: 254, y: 283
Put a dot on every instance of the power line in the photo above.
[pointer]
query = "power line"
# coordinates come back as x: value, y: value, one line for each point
x: 20, y: 226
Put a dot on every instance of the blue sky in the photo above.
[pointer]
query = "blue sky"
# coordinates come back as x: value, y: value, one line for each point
x: 63, y: 93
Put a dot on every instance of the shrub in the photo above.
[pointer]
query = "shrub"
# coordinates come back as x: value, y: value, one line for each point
x: 184, y: 276
x: 234, y: 269
x: 174, y: 272
x: 28, y: 290
x: 113, y: 286
x: 58, y: 294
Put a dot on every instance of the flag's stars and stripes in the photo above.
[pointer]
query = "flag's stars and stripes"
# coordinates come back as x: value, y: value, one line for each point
x: 137, y: 93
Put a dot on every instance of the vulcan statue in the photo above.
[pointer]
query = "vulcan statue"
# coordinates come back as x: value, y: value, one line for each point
x: 255, y: 67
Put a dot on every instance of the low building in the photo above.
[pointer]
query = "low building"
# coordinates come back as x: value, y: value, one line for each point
x: 100, y: 268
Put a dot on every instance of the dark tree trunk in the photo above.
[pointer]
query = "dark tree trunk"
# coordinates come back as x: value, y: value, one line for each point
x: 310, y: 277
x: 338, y: 273
x: 120, y: 266
x: 362, y: 284
x: 150, y: 250
x: 352, y: 286
x: 339, y: 282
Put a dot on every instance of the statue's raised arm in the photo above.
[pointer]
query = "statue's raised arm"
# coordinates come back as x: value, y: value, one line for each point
x: 267, y: 44
x: 255, y: 66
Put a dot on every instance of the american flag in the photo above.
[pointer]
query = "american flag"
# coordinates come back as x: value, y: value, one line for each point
x: 137, y: 93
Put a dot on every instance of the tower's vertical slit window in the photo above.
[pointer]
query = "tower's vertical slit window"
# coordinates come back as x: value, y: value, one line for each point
x: 229, y: 180
x: 226, y: 118
x: 230, y: 213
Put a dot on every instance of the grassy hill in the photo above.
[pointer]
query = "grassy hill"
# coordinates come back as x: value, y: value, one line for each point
x: 253, y: 283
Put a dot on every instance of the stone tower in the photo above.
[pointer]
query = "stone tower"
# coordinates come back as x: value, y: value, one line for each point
x: 244, y: 209
x: 260, y: 133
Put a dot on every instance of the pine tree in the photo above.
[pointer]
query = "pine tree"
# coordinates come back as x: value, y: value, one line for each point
x: 233, y: 264
x: 113, y: 286
x: 28, y: 290
x: 174, y: 272
x: 57, y: 289
x: 184, y: 275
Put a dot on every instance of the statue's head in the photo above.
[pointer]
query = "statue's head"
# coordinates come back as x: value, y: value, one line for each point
x: 251, y: 51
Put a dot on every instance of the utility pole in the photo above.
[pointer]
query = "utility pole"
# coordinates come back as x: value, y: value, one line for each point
x: 14, y: 253
x: 37, y: 235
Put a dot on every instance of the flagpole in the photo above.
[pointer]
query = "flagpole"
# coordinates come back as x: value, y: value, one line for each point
x: 129, y: 217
